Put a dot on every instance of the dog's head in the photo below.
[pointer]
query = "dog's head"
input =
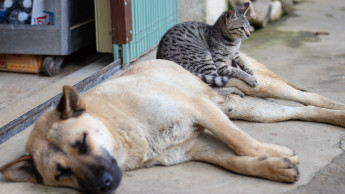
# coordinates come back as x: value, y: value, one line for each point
x: 68, y: 147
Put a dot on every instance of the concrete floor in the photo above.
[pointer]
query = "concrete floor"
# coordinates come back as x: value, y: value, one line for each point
x: 292, y: 50
x: 22, y: 92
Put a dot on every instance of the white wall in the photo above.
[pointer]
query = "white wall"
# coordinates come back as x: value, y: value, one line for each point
x: 214, y: 8
x: 201, y: 10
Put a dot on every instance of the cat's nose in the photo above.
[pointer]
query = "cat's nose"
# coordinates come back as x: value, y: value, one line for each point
x: 247, y: 33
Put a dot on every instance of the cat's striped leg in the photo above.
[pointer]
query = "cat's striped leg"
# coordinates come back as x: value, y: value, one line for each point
x: 243, y: 65
x: 214, y: 81
x: 207, y: 72
x: 233, y: 72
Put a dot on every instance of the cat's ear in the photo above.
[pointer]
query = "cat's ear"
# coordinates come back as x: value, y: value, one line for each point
x: 244, y: 8
x: 230, y: 14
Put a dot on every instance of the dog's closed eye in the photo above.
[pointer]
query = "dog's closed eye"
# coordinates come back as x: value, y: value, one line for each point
x: 81, y: 144
x: 62, y: 171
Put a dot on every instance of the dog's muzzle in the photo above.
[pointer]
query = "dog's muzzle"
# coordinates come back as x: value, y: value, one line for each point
x: 109, y: 182
x: 101, y: 177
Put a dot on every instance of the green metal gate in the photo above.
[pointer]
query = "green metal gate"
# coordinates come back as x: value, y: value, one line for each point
x: 150, y: 20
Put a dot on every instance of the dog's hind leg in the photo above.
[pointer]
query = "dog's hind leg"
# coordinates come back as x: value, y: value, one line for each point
x: 262, y: 110
x: 271, y: 86
x: 211, y: 117
x: 208, y: 148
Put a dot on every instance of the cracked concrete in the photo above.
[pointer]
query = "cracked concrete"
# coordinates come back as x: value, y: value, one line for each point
x: 330, y: 179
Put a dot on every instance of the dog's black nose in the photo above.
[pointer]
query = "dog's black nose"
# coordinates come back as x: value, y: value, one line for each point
x: 107, y: 183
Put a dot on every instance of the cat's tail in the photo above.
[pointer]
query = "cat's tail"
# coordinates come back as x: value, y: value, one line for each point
x: 213, y: 81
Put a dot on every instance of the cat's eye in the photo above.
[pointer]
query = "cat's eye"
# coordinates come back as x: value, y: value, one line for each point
x: 241, y: 28
x: 62, y: 171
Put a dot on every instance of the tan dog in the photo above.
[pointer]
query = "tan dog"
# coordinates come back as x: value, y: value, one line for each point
x: 156, y: 113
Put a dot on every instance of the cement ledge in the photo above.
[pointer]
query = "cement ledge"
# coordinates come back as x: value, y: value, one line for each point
x: 27, y: 119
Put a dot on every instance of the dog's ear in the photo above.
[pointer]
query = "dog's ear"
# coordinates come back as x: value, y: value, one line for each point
x: 21, y: 170
x: 71, y: 104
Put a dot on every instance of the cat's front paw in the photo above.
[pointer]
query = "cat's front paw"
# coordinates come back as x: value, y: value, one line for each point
x: 249, y: 71
x: 252, y: 81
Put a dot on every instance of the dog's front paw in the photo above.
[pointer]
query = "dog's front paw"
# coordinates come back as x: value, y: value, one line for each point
x: 274, y: 150
x: 270, y: 150
x: 279, y: 169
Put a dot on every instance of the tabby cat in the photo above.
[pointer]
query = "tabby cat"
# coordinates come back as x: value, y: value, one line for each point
x: 205, y: 50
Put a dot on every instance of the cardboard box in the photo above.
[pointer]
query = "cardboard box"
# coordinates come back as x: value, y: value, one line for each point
x: 21, y: 63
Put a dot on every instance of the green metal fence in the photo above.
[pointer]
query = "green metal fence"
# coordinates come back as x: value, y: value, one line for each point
x: 150, y: 20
